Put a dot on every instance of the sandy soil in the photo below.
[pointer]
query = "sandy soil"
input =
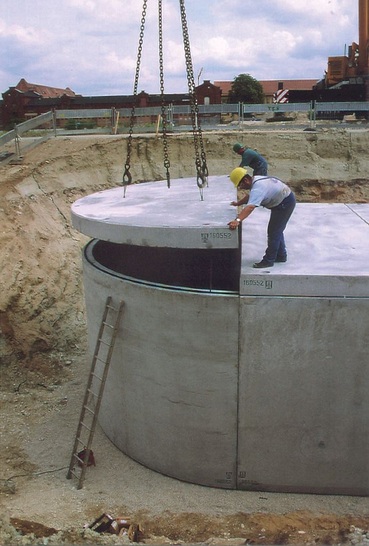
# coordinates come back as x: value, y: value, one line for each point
x: 44, y: 363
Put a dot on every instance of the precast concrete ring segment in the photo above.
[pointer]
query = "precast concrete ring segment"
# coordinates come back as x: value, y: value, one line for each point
x: 223, y: 375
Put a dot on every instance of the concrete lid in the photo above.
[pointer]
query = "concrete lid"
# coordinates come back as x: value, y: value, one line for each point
x: 153, y: 215
x: 328, y: 253
x: 328, y: 244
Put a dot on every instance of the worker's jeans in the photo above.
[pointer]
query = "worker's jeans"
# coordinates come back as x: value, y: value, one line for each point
x: 279, y: 217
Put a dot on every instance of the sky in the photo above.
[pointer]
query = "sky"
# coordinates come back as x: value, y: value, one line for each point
x: 91, y: 46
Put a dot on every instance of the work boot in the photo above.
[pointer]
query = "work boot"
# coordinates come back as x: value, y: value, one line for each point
x: 280, y: 259
x: 262, y: 264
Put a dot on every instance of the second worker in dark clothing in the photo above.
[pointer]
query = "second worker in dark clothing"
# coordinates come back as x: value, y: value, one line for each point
x: 251, y: 158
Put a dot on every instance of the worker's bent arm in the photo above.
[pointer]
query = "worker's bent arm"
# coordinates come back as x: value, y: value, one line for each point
x: 241, y: 216
x: 240, y: 202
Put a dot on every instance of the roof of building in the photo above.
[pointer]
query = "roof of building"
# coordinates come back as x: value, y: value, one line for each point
x: 271, y: 86
x: 44, y: 91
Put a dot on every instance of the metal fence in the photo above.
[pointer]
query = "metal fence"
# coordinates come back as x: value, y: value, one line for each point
x: 46, y: 121
x: 112, y: 120
x: 21, y: 128
x: 341, y: 106
x: 276, y: 108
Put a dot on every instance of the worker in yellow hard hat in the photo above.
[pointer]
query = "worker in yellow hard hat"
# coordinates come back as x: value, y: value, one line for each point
x: 273, y: 194
x: 252, y: 159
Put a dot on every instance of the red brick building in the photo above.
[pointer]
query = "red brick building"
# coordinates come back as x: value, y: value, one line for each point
x: 27, y: 100
x: 208, y: 93
x: 18, y: 101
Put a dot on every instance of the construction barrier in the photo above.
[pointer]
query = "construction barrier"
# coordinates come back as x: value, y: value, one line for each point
x: 112, y: 120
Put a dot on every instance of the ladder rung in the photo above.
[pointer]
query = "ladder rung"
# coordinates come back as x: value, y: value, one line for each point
x: 100, y: 360
x: 78, y: 458
x: 95, y: 375
x: 86, y: 427
x: 89, y: 410
x: 108, y: 325
x: 92, y: 392
x: 104, y: 342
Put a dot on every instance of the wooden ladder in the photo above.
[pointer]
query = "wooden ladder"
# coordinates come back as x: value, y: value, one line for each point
x: 82, y: 454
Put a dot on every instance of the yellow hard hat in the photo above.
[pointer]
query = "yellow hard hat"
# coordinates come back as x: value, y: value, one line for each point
x: 237, y: 174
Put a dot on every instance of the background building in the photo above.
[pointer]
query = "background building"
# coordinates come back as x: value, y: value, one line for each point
x: 270, y: 87
x: 27, y: 100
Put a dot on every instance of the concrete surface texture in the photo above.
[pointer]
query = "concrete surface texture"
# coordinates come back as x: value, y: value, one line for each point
x: 152, y: 214
x: 259, y: 389
x: 328, y: 252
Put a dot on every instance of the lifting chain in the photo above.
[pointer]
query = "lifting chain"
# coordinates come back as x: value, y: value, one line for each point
x: 163, y: 109
x: 127, y: 177
x: 200, y: 157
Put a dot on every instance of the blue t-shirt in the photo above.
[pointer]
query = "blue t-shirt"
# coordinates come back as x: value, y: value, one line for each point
x: 267, y: 191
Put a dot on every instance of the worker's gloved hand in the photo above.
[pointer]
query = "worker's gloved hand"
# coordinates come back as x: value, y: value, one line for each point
x: 234, y: 204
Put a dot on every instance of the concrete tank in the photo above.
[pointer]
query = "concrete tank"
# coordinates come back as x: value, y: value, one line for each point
x: 223, y: 375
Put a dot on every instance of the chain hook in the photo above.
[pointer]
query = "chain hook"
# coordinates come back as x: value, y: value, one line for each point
x: 201, y: 193
x: 127, y: 178
x: 167, y: 165
x: 201, y: 179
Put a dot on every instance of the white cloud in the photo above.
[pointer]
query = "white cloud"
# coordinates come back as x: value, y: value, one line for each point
x: 101, y: 10
x: 26, y: 36
x: 91, y: 45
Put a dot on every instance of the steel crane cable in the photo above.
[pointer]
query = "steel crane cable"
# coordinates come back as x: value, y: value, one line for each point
x: 163, y: 109
x: 127, y: 177
x: 200, y: 157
